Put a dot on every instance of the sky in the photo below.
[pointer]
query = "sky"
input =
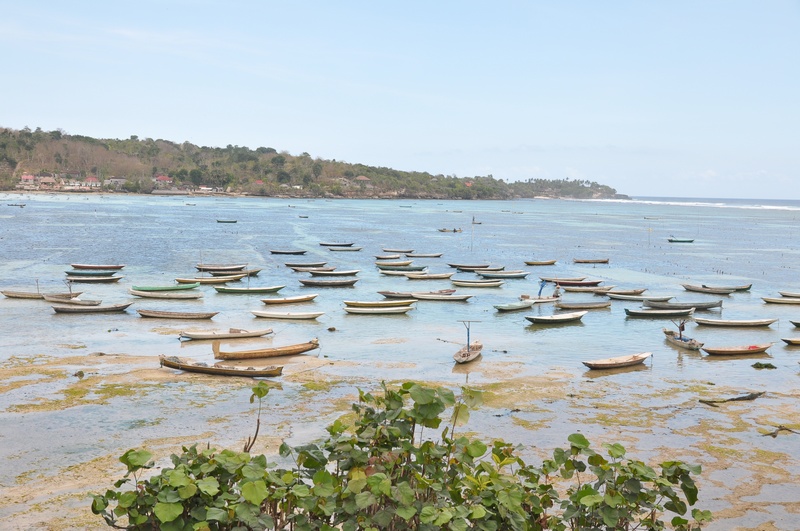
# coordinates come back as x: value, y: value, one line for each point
x: 678, y: 98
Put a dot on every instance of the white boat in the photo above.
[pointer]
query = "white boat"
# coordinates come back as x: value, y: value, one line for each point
x: 428, y: 276
x: 447, y: 297
x: 290, y: 300
x: 556, y: 318
x: 741, y: 350
x: 380, y: 304
x: 478, y: 283
x: 679, y: 312
x: 639, y: 298
x: 619, y: 361
x: 166, y: 294
x: 287, y: 315
x: 515, y: 306
x: 232, y: 333
x: 377, y: 311
x: 466, y: 354
x: 734, y: 322
x: 781, y: 300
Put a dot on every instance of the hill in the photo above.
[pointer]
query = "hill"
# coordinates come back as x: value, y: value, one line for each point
x: 56, y: 160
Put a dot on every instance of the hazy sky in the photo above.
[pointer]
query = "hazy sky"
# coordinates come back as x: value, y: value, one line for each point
x: 666, y: 98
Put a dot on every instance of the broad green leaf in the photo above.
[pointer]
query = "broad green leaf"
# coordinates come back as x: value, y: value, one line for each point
x: 578, y: 440
x: 300, y: 490
x: 188, y: 491
x: 217, y: 514
x: 591, y: 500
x: 135, y: 459
x: 460, y: 415
x: 365, y: 499
x: 427, y: 515
x: 406, y: 513
x: 422, y: 395
x: 615, y: 450
x: 404, y: 494
x: 476, y: 449
x: 209, y: 486
x: 445, y: 515
x: 255, y: 492
x: 477, y: 512
x: 167, y: 512
x: 126, y: 499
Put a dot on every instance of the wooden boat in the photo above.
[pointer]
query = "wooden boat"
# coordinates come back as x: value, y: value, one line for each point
x: 310, y: 269
x: 731, y: 322
x: 174, y: 287
x: 91, y: 309
x: 540, y: 262
x: 227, y: 221
x: 244, y: 290
x: 790, y: 294
x: 743, y: 287
x: 108, y: 267
x: 336, y: 283
x: 794, y: 341
x: 402, y: 273
x: 429, y: 296
x: 11, y: 294
x: 342, y: 273
x: 467, y: 267
x: 94, y: 279
x: 403, y: 268
x: 220, y: 267
x: 468, y: 353
x: 345, y: 248
x: 428, y: 276
x: 704, y: 289
x: 423, y: 255
x: 626, y: 291
x: 381, y: 304
x: 272, y: 352
x: 680, y: 240
x: 336, y: 244
x: 449, y: 230
x: 503, y: 274
x: 619, y: 361
x: 305, y: 264
x: 659, y: 313
x: 283, y: 251
x: 387, y: 256
x: 697, y: 305
x: 590, y: 260
x: 246, y: 272
x: 408, y: 294
x: 688, y: 343
x: 210, y: 280
x: 377, y: 311
x: 559, y: 280
x: 781, y: 300
x: 582, y: 305
x: 218, y: 369
x: 539, y: 300
x: 91, y: 273
x: 176, y: 315
x: 401, y: 251
x: 167, y: 294
x: 478, y: 283
x: 639, y: 298
x: 394, y: 263
x: 579, y: 282
x: 290, y: 300
x: 588, y: 289
x: 556, y: 318
x: 515, y: 306
x: 480, y: 270
x: 287, y: 315
x: 738, y: 350
x: 76, y: 301
x: 232, y: 333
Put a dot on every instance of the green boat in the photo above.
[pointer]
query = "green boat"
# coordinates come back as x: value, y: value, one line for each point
x: 265, y: 289
x: 166, y: 288
x: 90, y: 273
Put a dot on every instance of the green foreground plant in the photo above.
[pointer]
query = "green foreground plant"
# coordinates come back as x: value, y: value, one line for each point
x: 383, y: 473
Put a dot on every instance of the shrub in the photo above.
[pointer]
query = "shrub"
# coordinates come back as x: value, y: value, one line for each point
x: 382, y: 473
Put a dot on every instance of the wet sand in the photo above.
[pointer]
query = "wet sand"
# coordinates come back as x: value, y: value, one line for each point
x: 748, y: 479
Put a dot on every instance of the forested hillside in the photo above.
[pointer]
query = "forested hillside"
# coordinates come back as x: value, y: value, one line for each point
x: 135, y: 163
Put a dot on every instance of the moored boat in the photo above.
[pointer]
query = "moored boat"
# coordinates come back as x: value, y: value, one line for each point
x: 619, y: 361
x: 740, y: 350
x: 467, y: 267
x: 515, y: 306
x: 287, y: 315
x: 583, y: 305
x: 781, y: 300
x: 742, y: 287
x: 393, y: 250
x: 91, y: 273
x: 381, y: 304
x: 342, y: 273
x: 705, y: 289
x: 502, y: 274
x: 697, y: 305
x: 478, y: 283
x: 271, y: 352
x: 678, y: 312
x: 393, y: 263
x: 588, y: 289
x: 218, y: 369
x: 433, y: 296
x: 336, y: 244
x: 345, y: 248
x: 94, y: 279
x: 680, y: 240
x: 173, y: 287
x: 378, y: 310
x: 468, y: 353
x: 248, y: 272
x: 640, y: 298
x: 557, y: 318
x: 680, y: 340
x: 794, y: 341
x: 220, y: 267
x: 304, y: 264
x: 167, y: 294
x: 76, y: 301
x: 734, y: 322
x: 176, y: 315
x: 336, y: 283
x: 590, y: 260
x: 540, y: 262
x: 290, y: 300
x: 287, y: 251
x: 210, y: 280
x: 408, y: 294
x: 91, y: 309
x: 107, y: 267
x: 232, y: 333
x: 245, y: 290
x: 559, y: 280
x: 424, y: 255
x: 428, y: 276
x: 11, y: 294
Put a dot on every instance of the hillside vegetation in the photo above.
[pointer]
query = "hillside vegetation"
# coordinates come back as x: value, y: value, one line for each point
x: 237, y: 169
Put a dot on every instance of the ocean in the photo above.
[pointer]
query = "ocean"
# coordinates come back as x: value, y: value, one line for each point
x: 159, y: 238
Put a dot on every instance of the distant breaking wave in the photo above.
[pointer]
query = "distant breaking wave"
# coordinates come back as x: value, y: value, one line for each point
x: 750, y: 204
